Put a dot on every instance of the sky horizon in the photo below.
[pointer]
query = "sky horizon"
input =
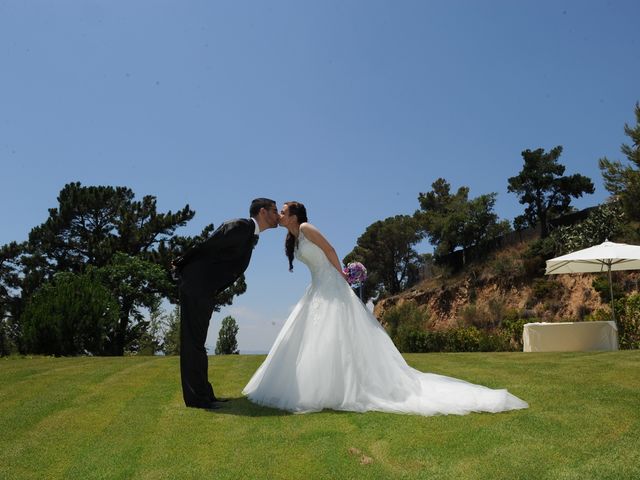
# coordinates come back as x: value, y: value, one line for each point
x: 353, y: 108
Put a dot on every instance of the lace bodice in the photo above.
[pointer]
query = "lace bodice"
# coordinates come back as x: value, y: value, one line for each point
x: 314, y: 258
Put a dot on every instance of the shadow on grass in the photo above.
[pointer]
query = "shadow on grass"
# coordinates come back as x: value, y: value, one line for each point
x: 241, y: 406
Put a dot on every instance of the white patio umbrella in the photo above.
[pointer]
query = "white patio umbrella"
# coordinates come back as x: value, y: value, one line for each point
x: 606, y: 257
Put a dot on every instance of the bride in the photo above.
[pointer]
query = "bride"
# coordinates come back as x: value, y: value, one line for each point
x: 332, y: 352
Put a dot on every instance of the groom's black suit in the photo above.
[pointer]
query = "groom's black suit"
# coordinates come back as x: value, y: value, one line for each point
x: 204, y: 271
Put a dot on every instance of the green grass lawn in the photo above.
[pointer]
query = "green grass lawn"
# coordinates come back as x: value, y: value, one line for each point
x: 114, y: 417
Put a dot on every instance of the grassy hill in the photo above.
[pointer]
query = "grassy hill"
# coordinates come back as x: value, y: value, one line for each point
x: 117, y: 418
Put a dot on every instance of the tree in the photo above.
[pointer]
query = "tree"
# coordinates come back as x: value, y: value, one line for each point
x: 452, y: 220
x: 106, y: 229
x: 71, y: 315
x: 442, y: 215
x: 10, y: 256
x: 623, y: 181
x: 92, y: 223
x: 171, y: 339
x: 386, y: 250
x: 542, y: 187
x: 136, y: 283
x: 227, y: 343
x: 150, y: 342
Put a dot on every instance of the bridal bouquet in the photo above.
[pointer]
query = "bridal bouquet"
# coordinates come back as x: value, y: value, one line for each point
x: 356, y: 274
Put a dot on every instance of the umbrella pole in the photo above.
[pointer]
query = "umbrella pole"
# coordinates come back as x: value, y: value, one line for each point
x: 613, y: 310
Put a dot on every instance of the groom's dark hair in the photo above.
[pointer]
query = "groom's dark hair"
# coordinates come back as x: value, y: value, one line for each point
x: 259, y: 203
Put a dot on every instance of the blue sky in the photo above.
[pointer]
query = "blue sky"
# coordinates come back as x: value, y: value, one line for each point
x: 352, y: 107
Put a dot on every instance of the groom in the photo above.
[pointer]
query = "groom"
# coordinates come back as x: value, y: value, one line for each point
x: 204, y: 271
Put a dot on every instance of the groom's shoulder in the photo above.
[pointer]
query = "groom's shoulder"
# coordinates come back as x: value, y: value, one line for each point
x: 236, y: 224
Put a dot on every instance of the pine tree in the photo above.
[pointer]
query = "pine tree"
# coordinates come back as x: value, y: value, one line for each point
x: 543, y: 187
x: 623, y: 180
x: 386, y: 250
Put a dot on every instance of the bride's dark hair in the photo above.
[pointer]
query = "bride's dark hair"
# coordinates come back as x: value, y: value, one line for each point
x: 299, y: 210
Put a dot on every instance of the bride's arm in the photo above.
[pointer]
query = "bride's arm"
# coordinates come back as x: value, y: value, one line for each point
x: 313, y: 234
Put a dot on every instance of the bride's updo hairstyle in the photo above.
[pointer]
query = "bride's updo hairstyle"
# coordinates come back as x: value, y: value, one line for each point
x: 297, y: 209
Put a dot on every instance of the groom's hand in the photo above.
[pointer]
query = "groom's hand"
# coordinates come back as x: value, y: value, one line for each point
x: 175, y: 269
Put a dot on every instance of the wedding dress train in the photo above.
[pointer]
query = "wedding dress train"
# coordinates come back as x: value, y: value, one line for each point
x: 333, y: 354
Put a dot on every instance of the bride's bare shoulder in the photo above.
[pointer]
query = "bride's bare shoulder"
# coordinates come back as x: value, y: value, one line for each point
x: 308, y: 228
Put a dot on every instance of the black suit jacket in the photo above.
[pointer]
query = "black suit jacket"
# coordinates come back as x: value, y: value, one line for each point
x: 216, y: 263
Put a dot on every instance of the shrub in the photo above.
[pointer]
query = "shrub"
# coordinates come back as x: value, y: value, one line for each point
x: 628, y: 319
x: 7, y: 345
x: 472, y: 315
x: 506, y: 269
x: 513, y: 326
x: 498, y: 341
x: 405, y: 323
x: 463, y: 339
x: 601, y: 285
x: 544, y: 289
x: 71, y: 315
x: 422, y: 342
x: 534, y: 258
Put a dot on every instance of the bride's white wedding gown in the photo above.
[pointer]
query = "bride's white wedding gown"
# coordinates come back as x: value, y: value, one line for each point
x: 332, y: 353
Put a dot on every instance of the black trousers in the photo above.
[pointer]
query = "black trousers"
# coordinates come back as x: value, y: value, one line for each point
x: 195, y: 314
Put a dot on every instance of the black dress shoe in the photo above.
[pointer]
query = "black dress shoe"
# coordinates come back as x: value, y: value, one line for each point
x: 218, y: 399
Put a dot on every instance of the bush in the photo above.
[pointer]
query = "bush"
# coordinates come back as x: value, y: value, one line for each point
x: 423, y: 342
x: 474, y: 316
x: 534, y: 259
x: 498, y: 341
x: 601, y: 285
x: 628, y: 320
x: 463, y: 339
x: 543, y: 289
x: 7, y: 345
x: 506, y: 269
x: 71, y: 315
x: 513, y: 326
x: 405, y: 324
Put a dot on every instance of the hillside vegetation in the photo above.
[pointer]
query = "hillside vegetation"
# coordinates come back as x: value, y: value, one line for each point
x: 503, y: 291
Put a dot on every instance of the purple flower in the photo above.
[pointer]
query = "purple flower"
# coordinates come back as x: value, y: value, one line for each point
x: 356, y: 274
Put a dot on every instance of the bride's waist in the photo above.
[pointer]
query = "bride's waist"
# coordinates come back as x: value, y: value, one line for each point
x: 325, y: 275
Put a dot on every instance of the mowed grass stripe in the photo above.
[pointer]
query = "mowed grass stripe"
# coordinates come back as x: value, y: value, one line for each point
x: 75, y: 405
x: 124, y: 418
